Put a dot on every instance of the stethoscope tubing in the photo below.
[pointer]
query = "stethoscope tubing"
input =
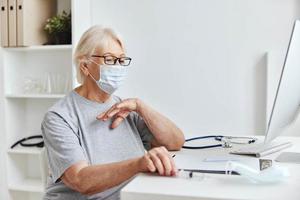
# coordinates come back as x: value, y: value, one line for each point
x: 37, y: 144
x: 217, y: 138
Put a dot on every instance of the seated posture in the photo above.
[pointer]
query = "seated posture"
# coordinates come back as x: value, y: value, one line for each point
x: 95, y: 141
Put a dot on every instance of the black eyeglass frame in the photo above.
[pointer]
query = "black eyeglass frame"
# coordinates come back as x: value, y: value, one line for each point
x: 115, y: 59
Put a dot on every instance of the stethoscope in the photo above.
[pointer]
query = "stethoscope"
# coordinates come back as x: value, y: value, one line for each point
x: 226, y: 141
x: 27, y: 142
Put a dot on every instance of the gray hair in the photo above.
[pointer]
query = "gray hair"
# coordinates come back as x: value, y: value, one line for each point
x: 95, y: 37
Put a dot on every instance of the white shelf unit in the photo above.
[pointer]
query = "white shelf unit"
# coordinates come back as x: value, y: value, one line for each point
x: 24, y: 170
x: 23, y: 113
x: 25, y: 150
x: 17, y: 194
x: 35, y: 96
x: 41, y: 48
x: 28, y: 185
x: 47, y: 69
x: 27, y: 171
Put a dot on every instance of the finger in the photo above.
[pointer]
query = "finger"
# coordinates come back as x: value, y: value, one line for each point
x: 123, y: 113
x: 117, y: 109
x: 150, y: 165
x: 120, y: 117
x: 166, y: 162
x: 112, y: 113
x: 127, y: 104
x: 110, y: 110
x: 173, y: 165
x: 157, y: 163
x: 103, y: 115
x: 117, y: 122
x: 174, y: 168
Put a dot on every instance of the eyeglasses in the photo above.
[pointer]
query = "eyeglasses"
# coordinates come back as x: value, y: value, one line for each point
x: 112, y: 60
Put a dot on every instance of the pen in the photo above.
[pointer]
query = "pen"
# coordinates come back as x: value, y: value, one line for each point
x: 207, y: 171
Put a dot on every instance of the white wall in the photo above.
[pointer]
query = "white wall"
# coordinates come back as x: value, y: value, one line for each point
x: 201, y: 62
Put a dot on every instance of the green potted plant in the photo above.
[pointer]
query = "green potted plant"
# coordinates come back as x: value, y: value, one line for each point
x: 59, y: 28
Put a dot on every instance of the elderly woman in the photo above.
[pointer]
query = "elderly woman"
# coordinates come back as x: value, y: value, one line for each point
x: 95, y: 141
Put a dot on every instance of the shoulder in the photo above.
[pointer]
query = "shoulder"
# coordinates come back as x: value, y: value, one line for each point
x: 62, y: 111
x: 64, y: 104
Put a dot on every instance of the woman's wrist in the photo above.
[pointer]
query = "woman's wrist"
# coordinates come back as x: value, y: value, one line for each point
x: 139, y: 106
x: 139, y: 165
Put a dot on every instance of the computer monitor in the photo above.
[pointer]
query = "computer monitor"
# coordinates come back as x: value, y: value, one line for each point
x: 287, y: 99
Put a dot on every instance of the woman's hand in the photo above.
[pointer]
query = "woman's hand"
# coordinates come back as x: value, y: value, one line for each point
x: 165, y: 132
x: 158, y: 160
x: 120, y: 111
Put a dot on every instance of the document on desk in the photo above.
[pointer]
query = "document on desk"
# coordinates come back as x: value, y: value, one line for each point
x: 212, y: 163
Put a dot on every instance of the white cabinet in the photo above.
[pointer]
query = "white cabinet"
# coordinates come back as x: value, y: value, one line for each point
x: 35, y: 71
x: 32, y: 79
x: 26, y: 169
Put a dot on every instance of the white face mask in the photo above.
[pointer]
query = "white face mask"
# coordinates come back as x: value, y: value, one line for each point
x: 272, y: 174
x: 111, y: 77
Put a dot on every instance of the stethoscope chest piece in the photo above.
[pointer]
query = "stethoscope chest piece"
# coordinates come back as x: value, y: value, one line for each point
x: 227, y: 144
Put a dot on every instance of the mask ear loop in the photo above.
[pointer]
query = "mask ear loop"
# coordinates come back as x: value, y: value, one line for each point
x: 85, y: 65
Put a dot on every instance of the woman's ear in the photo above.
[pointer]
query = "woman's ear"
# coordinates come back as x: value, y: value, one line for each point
x: 84, y: 68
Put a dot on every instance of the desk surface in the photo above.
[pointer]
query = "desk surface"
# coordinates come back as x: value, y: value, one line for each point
x: 213, y: 186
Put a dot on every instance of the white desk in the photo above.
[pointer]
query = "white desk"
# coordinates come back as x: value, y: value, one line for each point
x: 213, y: 186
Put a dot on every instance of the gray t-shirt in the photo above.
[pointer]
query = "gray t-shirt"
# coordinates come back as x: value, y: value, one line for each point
x: 72, y: 133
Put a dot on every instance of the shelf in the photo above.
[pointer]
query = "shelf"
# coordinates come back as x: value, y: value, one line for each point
x: 28, y: 185
x: 38, y: 67
x: 25, y: 150
x: 40, y: 48
x: 35, y: 96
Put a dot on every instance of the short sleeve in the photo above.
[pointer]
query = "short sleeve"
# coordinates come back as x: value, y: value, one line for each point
x: 143, y: 130
x: 62, y: 144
